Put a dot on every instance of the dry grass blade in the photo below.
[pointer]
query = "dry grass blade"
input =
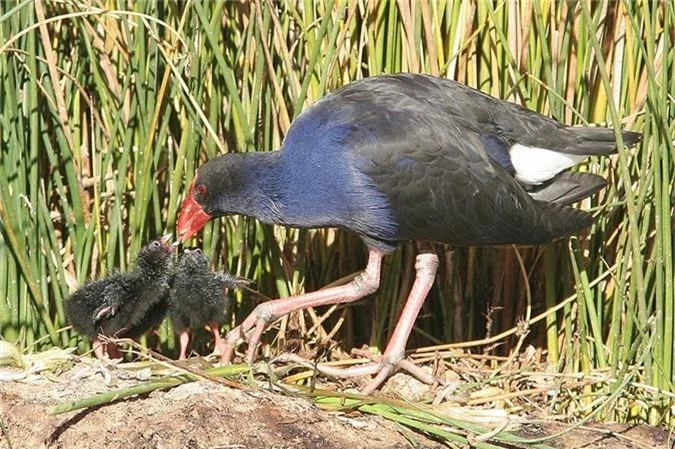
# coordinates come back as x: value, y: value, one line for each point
x: 161, y: 384
x: 5, y: 434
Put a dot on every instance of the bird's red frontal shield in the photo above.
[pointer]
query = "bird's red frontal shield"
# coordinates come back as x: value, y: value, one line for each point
x: 192, y: 217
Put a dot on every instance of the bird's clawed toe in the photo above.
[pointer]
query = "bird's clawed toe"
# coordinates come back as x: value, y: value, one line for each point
x: 106, y: 350
x: 386, y: 365
x: 380, y: 366
x: 103, y: 312
x: 249, y: 331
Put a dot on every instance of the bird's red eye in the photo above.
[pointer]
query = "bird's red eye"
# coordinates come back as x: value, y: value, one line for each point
x: 201, y: 189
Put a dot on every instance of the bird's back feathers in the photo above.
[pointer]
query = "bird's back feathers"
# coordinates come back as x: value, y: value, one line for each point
x: 198, y: 295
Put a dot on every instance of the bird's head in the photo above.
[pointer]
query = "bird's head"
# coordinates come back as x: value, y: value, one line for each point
x: 226, y: 185
x: 193, y: 259
x: 213, y: 183
x: 156, y: 256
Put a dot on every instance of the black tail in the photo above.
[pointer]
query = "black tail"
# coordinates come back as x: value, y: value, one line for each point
x: 558, y: 221
x: 597, y: 141
x: 568, y: 187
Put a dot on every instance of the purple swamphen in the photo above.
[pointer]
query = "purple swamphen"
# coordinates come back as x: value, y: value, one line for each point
x: 405, y: 157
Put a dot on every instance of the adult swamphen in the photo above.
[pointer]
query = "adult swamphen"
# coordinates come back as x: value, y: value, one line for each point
x: 405, y: 157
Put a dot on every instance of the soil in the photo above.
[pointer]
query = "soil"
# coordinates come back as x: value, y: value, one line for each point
x: 205, y: 414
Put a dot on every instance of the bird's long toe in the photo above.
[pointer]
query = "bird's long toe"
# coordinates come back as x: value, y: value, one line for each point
x: 250, y: 331
x: 226, y: 353
x: 99, y: 349
x: 388, y: 364
x: 380, y: 366
x: 254, y: 340
x: 222, y: 350
x: 103, y: 313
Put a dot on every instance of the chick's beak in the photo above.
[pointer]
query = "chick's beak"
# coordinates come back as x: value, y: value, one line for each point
x: 192, y: 217
x: 166, y: 240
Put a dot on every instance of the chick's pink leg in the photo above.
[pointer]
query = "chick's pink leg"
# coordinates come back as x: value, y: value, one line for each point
x: 99, y: 349
x: 219, y: 345
x: 184, y: 341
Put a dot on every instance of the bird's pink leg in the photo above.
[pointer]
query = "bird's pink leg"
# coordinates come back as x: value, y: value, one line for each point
x: 219, y: 345
x: 184, y: 341
x: 104, y: 350
x: 393, y: 358
x: 255, y: 324
x: 99, y: 348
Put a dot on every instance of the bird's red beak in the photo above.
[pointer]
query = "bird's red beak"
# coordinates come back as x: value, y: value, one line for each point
x: 191, y: 218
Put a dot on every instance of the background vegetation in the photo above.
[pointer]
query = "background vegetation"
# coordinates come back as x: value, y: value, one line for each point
x: 107, y: 108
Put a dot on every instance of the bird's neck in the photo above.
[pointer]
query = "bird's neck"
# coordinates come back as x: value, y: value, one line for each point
x: 292, y: 191
x: 154, y: 272
x: 262, y: 186
x: 193, y: 270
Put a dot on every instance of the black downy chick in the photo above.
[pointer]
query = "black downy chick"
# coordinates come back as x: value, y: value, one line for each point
x: 124, y: 305
x: 198, y: 298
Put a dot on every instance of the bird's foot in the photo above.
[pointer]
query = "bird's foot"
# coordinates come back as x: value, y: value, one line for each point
x: 104, y: 312
x: 220, y: 346
x: 250, y: 331
x: 385, y: 365
x: 381, y: 366
x: 106, y: 350
x: 221, y: 349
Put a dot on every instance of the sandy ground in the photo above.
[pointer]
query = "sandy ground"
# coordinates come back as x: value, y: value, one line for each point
x: 208, y: 415
x: 197, y: 415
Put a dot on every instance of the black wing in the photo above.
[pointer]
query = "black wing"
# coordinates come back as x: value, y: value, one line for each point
x: 416, y: 139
